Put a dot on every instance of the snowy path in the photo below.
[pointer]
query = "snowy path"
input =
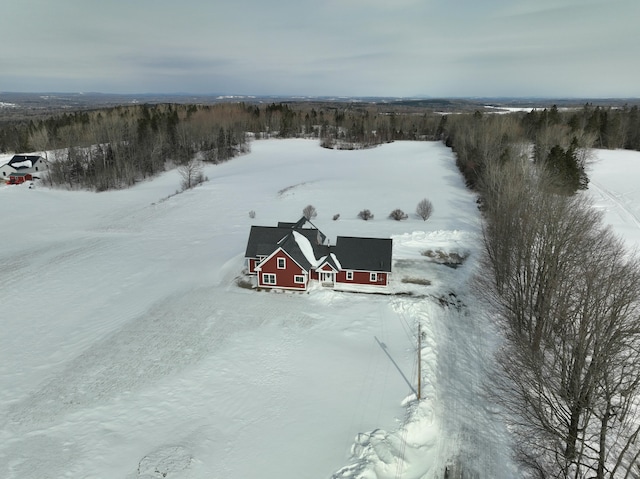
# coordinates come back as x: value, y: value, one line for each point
x: 624, y: 208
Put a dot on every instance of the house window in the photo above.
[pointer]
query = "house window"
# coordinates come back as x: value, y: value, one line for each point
x: 282, y: 264
x: 269, y: 278
x: 298, y: 279
x: 373, y: 277
x: 349, y: 275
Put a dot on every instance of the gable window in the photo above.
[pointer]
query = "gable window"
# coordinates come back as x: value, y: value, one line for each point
x: 349, y: 275
x: 298, y: 279
x: 282, y: 263
x: 269, y: 278
x: 373, y: 277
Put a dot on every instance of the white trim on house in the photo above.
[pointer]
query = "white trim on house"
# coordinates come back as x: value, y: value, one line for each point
x: 269, y: 278
x: 327, y: 277
x: 281, y: 263
x: 259, y: 265
x: 373, y: 277
x: 299, y: 279
x: 349, y: 275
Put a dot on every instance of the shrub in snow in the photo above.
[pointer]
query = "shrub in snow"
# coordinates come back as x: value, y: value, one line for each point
x: 398, y: 215
x: 365, y: 215
x: 424, y: 209
x: 336, y: 216
x: 252, y: 214
x: 309, y: 212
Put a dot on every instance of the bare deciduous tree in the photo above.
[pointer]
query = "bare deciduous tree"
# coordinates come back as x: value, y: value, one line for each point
x: 569, y: 297
x: 309, y: 212
x: 191, y: 173
x: 424, y: 209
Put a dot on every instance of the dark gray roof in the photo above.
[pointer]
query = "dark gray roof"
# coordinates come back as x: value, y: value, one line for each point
x: 299, y: 224
x: 329, y: 260
x: 284, y: 224
x: 364, y: 254
x: 360, y: 254
x: 263, y: 240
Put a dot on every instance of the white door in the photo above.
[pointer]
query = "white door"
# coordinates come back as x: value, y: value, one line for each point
x: 326, y: 277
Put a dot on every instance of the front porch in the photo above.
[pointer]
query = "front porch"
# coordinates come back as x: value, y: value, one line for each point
x: 327, y: 279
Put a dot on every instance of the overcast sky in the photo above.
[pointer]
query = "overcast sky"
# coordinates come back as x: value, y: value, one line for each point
x: 574, y: 48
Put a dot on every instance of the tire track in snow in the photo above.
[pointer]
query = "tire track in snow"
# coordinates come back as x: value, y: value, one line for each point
x: 172, y: 334
x: 169, y: 337
x: 620, y: 205
x: 31, y: 262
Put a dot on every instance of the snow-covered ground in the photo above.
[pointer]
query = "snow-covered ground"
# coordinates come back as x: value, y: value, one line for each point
x: 128, y: 351
x: 615, y: 188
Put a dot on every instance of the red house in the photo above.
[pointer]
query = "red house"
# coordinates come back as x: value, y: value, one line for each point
x: 291, y: 256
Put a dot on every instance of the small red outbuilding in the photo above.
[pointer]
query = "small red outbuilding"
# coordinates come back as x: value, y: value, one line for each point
x: 18, y: 178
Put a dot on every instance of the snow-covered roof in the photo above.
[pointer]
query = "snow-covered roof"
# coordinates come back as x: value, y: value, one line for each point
x: 306, y: 248
x: 335, y: 260
x: 263, y: 239
x: 23, y: 164
x: 23, y: 161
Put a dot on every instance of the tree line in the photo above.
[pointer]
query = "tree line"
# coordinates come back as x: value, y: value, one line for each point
x: 115, y: 147
x: 565, y: 292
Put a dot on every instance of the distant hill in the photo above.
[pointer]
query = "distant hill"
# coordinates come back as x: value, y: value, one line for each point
x: 17, y: 104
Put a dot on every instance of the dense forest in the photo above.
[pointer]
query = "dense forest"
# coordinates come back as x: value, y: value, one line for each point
x: 559, y: 139
x: 114, y: 147
x: 563, y: 288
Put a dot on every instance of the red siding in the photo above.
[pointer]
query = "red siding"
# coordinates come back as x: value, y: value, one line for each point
x: 362, y: 277
x: 253, y: 262
x: 284, y: 277
x: 16, y: 180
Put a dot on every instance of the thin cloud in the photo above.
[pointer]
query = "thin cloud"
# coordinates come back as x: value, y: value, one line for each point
x: 330, y: 47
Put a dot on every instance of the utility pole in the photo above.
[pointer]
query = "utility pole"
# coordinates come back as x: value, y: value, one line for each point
x: 419, y: 361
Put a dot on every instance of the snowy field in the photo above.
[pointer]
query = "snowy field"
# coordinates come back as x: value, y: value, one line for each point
x: 128, y: 351
x: 615, y: 189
